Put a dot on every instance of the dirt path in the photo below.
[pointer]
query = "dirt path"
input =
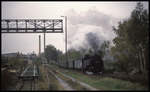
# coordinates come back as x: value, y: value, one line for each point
x: 84, y: 85
x: 51, y: 77
x: 81, y: 83
x: 62, y: 82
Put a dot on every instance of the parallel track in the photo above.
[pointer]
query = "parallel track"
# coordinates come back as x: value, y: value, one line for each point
x: 28, y: 80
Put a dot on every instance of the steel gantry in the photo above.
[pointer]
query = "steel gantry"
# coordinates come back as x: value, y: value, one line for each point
x: 32, y: 26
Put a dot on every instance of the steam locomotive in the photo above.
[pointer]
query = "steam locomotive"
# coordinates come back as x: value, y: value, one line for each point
x: 93, y: 63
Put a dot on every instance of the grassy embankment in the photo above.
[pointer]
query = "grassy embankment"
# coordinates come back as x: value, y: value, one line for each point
x: 102, y: 83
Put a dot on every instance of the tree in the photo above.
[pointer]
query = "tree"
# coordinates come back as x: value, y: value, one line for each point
x: 131, y: 43
x: 139, y: 24
x: 74, y: 54
x: 102, y: 50
x: 51, y: 53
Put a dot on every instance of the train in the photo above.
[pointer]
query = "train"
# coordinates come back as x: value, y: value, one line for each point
x: 89, y: 63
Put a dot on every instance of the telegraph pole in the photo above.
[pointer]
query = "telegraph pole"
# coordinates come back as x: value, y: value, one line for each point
x: 44, y: 36
x: 66, y: 40
x: 39, y: 45
x: 44, y: 40
x: 44, y: 46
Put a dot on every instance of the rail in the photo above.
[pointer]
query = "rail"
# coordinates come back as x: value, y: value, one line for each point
x: 29, y: 76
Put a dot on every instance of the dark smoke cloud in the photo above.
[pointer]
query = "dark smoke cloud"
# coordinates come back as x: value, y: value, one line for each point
x: 93, y: 40
x: 80, y: 24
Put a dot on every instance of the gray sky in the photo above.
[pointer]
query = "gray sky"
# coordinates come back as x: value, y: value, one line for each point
x: 83, y: 17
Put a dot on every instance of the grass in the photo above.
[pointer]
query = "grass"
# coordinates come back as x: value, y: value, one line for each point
x: 53, y: 82
x: 43, y: 83
x: 115, y: 84
x: 73, y: 84
x: 102, y: 83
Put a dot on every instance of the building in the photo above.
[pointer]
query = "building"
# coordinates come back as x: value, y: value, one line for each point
x: 10, y: 55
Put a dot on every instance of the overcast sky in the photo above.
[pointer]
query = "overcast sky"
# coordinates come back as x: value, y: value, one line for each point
x: 83, y: 17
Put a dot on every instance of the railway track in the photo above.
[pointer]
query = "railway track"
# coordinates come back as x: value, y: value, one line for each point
x: 28, y: 78
x: 28, y: 85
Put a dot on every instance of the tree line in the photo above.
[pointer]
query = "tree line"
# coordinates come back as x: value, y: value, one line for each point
x: 132, y: 42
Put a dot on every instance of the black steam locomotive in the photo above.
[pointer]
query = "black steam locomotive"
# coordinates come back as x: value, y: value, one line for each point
x: 93, y: 63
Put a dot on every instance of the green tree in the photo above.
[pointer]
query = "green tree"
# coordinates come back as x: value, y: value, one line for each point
x: 74, y: 54
x: 131, y: 43
x: 51, y: 53
x: 102, y: 49
x: 139, y: 24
